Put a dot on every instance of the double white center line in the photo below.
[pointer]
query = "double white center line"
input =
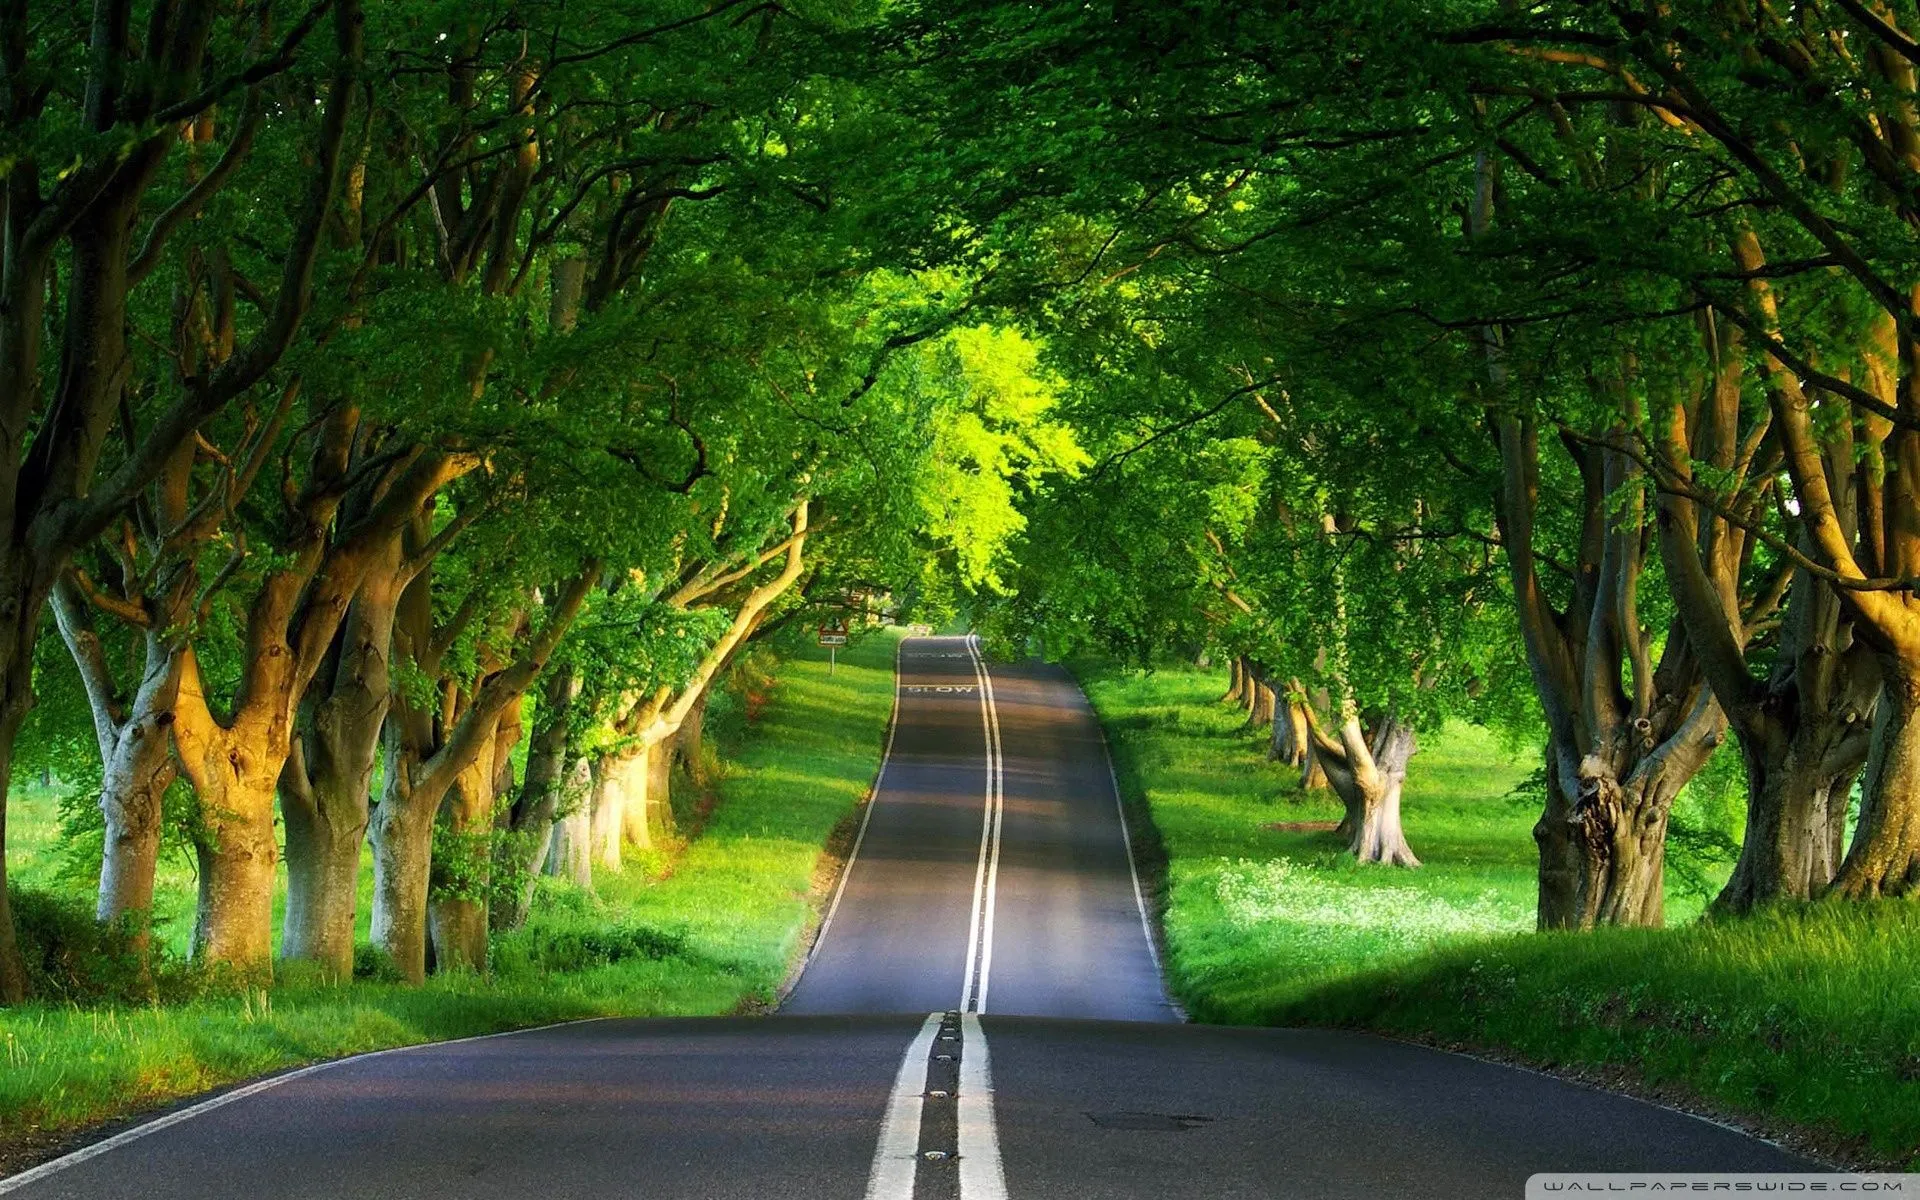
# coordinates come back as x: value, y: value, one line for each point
x: 973, y: 994
x: 928, y: 1076
x: 976, y: 1144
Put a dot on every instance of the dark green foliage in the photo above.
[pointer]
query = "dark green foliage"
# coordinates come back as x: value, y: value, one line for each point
x: 73, y: 959
x: 545, y: 947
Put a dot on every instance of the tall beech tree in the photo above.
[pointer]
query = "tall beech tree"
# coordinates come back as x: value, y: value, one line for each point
x: 94, y: 195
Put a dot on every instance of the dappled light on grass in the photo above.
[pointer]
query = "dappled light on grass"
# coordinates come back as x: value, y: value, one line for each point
x: 1327, y: 921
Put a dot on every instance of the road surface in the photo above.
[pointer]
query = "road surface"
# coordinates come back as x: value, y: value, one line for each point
x: 982, y: 1017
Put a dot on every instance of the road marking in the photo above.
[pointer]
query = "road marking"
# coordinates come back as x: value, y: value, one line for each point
x: 999, y: 820
x: 981, y: 1175
x: 897, y: 1155
x: 886, y: 756
x: 986, y: 875
x: 1126, y: 838
x: 126, y: 1136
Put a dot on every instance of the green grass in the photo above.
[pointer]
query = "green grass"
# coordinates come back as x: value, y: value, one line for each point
x: 1806, y: 1023
x: 713, y: 932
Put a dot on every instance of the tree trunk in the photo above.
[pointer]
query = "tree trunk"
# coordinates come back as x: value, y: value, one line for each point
x: 1373, y: 811
x: 326, y: 792
x: 462, y: 871
x: 402, y: 854
x: 530, y: 824
x: 17, y: 678
x: 661, y: 823
x: 690, y: 743
x: 1289, y: 745
x: 1884, y: 859
x: 1367, y: 772
x: 233, y: 926
x: 323, y: 885
x: 1260, y: 707
x: 1236, y: 682
x: 136, y: 751
x: 645, y: 799
x: 402, y: 837
x: 133, y: 787
x: 570, y: 851
x: 1796, y: 825
x: 1602, y: 837
x: 609, y: 809
x: 1803, y: 739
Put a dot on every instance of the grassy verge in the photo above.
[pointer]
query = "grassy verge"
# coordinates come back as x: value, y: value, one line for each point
x: 1802, y: 1024
x: 710, y: 931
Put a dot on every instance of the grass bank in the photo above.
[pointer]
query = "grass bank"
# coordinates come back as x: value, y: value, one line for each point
x: 711, y: 930
x: 1802, y: 1024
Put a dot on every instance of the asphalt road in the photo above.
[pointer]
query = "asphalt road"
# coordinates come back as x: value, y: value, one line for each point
x: 982, y: 1017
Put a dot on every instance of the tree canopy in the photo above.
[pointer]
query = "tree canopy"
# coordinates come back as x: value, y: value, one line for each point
x: 412, y: 409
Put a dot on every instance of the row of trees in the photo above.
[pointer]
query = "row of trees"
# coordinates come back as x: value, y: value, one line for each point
x: 387, y: 387
x: 1559, y: 361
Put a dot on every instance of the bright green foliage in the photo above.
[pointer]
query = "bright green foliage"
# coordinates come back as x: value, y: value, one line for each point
x: 995, y: 436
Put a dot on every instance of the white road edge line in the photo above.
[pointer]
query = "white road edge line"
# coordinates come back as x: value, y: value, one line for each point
x: 873, y: 799
x: 987, y: 872
x: 981, y: 1174
x: 127, y: 1136
x: 1126, y: 838
x: 897, y: 1155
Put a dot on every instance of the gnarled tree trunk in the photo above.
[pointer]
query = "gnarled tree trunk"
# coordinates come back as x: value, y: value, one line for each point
x: 1367, y: 769
x: 1884, y: 859
x: 1236, y: 682
x: 457, y: 917
x: 136, y: 755
x: 529, y: 827
x: 326, y: 789
x: 1291, y: 741
x: 425, y: 764
x: 607, y: 809
x: 1260, y: 705
x: 690, y: 744
x: 570, y: 851
x: 1804, y: 739
x: 233, y: 767
x: 638, y: 774
x: 402, y: 837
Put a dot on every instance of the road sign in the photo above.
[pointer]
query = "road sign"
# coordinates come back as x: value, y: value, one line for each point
x: 833, y: 637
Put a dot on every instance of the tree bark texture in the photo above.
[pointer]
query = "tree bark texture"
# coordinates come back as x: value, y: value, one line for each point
x: 570, y: 851
x: 1367, y: 768
x: 530, y: 825
x: 1624, y: 734
x: 326, y: 789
